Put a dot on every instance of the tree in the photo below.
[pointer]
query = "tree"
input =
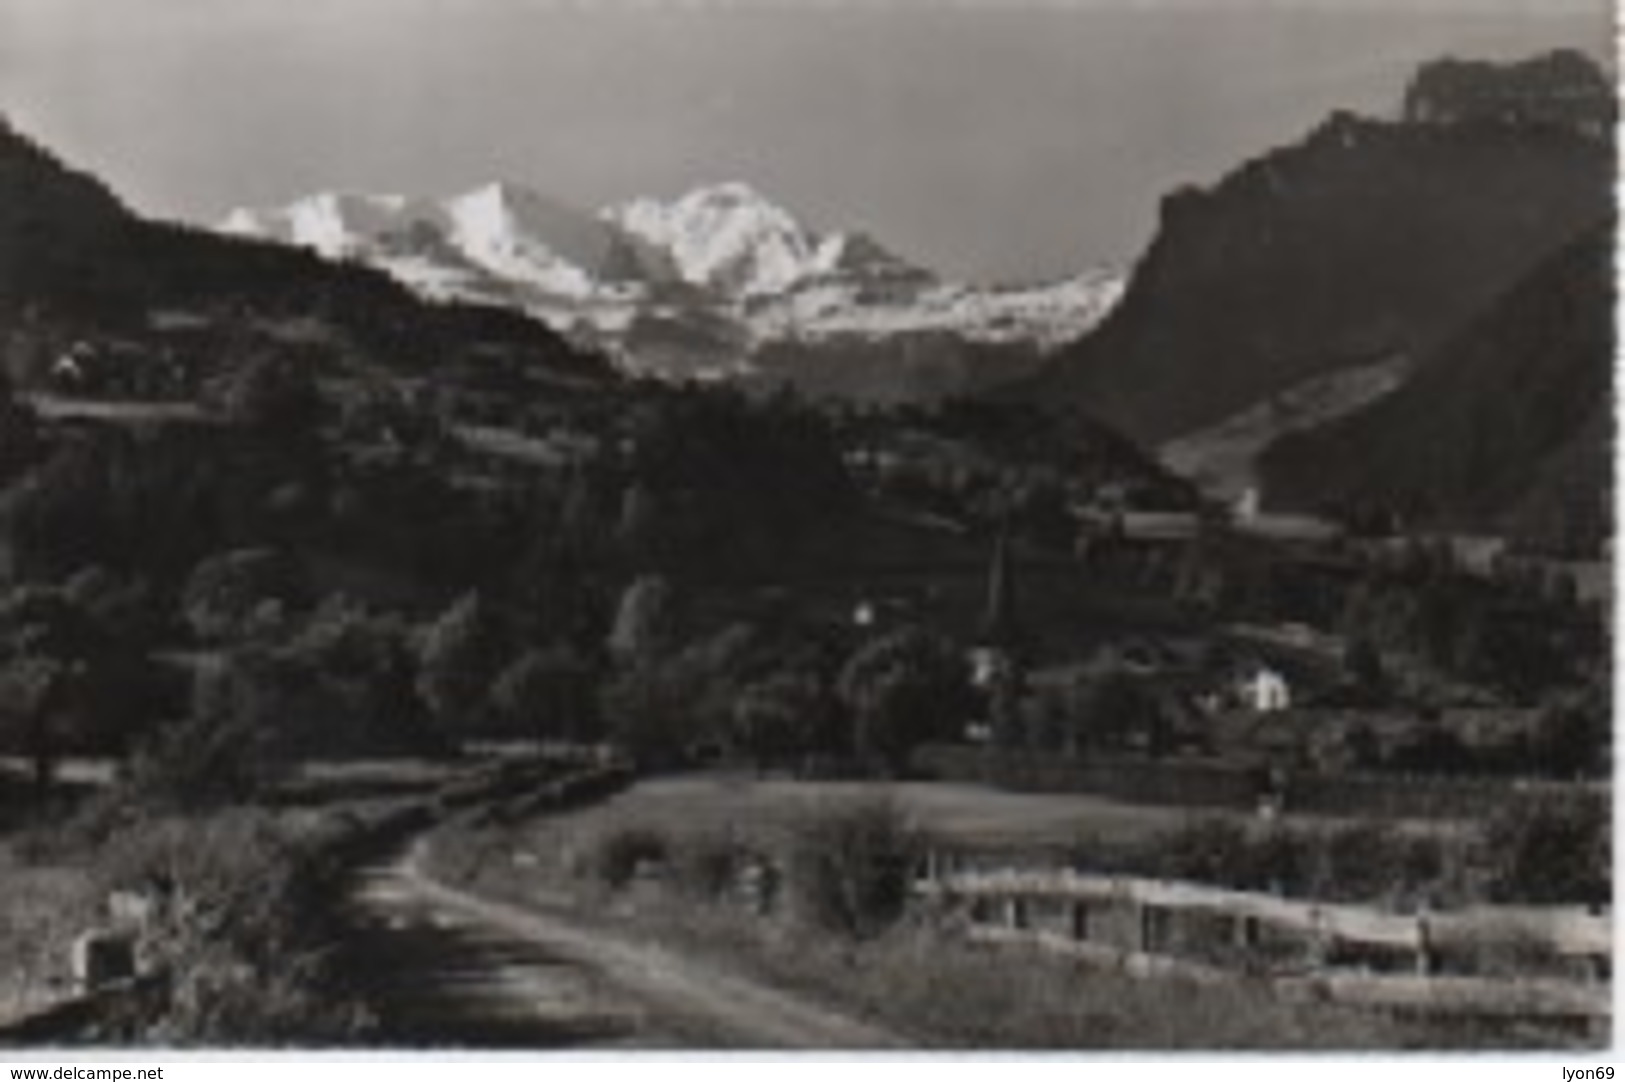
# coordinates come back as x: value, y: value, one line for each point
x: 46, y: 647
x: 153, y: 502
x: 272, y: 394
x: 782, y: 718
x: 339, y: 684
x: 562, y: 584
x: 1363, y: 664
x: 38, y: 692
x: 365, y: 669
x: 21, y: 445
x: 904, y: 689
x: 1364, y: 745
x: 56, y: 512
x: 213, y: 756
x: 643, y: 621
x: 548, y: 694
x: 640, y: 531
x: 664, y: 706
x: 649, y: 712
x: 1114, y: 710
x: 1574, y: 734
x: 458, y: 659
x: 227, y: 592
x: 74, y: 681
x: 738, y: 483
x: 1042, y: 511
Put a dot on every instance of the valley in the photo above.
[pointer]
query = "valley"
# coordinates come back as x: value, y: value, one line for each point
x: 1223, y: 460
x: 483, y: 623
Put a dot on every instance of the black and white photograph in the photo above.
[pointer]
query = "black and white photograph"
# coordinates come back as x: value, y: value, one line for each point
x: 1065, y: 527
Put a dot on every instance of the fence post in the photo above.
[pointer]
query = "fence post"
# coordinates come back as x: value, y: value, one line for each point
x: 1150, y: 927
x: 1080, y: 921
x: 1318, y: 943
x: 1015, y: 912
x: 1425, y: 961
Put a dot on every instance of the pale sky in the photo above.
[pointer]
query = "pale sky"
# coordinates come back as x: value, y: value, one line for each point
x: 991, y: 141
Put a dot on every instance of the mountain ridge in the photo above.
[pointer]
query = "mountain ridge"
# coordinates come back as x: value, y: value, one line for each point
x: 1367, y: 238
x: 718, y: 283
x: 80, y: 269
x: 1506, y: 428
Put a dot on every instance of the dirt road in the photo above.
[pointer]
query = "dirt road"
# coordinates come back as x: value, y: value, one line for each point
x: 449, y: 969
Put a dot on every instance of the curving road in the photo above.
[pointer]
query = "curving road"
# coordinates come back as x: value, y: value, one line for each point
x: 446, y: 968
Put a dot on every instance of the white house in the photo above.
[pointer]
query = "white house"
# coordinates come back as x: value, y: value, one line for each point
x: 1263, y: 690
x: 989, y: 666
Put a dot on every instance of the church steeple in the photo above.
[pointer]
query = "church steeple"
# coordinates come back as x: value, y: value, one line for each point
x: 999, y: 617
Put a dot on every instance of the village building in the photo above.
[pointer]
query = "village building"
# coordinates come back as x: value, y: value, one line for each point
x: 1263, y: 690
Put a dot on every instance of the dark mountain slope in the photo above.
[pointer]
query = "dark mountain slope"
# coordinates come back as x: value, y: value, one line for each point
x: 53, y: 222
x: 1507, y: 426
x: 1367, y: 239
x: 74, y: 259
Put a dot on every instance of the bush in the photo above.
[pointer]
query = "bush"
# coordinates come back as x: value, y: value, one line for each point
x: 905, y: 689
x: 620, y: 854
x: 709, y: 866
x: 1554, y: 852
x: 851, y: 868
x: 458, y: 660
x: 1207, y: 851
x: 1362, y: 863
x: 1220, y: 852
x: 209, y: 759
x: 244, y: 945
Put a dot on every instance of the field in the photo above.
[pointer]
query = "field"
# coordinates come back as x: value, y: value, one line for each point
x: 916, y: 978
x: 971, y: 816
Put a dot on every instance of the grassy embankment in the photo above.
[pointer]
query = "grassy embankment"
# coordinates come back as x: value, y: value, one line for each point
x: 242, y: 946
x: 660, y: 862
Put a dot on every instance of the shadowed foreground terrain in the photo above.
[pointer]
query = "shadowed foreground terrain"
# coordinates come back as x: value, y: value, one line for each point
x: 446, y: 968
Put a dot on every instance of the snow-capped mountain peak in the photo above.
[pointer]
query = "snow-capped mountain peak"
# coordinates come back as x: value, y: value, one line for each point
x: 523, y: 236
x: 726, y: 237
x: 335, y: 224
x: 709, y: 283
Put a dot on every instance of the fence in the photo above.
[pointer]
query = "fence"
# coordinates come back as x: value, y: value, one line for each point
x: 1234, y: 786
x: 1550, y: 962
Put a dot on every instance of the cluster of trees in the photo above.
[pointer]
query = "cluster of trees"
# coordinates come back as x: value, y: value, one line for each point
x: 1515, y: 629
x: 772, y: 689
x: 216, y: 542
x: 1570, y: 737
x: 75, y: 673
x: 779, y: 692
x: 1526, y: 649
x: 1005, y: 464
x: 1103, y: 708
x: 719, y: 486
